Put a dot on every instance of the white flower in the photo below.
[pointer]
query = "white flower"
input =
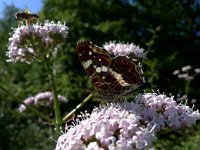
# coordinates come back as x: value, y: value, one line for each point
x: 176, y: 72
x: 35, y: 40
x: 183, y: 75
x: 93, y: 146
x: 197, y: 70
x: 186, y: 68
x: 122, y: 49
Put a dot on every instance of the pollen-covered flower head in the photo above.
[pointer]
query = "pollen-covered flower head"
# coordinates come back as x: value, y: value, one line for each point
x: 34, y: 41
x: 122, y: 49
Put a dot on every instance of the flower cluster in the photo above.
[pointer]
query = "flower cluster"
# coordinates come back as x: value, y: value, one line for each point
x: 187, y: 73
x: 183, y: 73
x: 29, y: 42
x: 122, y: 49
x: 111, y: 127
x: 41, y: 99
x: 163, y: 112
x: 127, y: 125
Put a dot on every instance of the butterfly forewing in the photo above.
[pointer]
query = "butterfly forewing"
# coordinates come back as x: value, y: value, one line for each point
x: 92, y: 57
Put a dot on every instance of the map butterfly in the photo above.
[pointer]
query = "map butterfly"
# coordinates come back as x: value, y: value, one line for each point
x: 112, y: 76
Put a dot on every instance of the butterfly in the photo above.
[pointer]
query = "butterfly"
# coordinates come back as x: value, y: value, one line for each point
x: 112, y: 76
x: 27, y: 16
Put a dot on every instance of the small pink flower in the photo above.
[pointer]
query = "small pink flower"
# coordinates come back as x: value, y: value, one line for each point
x: 41, y: 99
x: 33, y: 41
x: 28, y: 101
x: 122, y: 49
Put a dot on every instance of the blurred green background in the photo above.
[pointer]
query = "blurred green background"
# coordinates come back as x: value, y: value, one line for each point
x: 169, y: 31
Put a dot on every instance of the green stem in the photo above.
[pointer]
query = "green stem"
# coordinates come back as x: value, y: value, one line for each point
x: 32, y: 109
x: 69, y: 115
x: 187, y: 87
x: 55, y: 98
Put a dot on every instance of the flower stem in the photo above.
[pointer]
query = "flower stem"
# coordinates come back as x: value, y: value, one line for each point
x: 32, y: 109
x: 187, y: 88
x: 67, y: 117
x: 58, y: 120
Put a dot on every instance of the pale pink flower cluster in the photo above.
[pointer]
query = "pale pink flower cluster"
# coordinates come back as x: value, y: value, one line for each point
x: 127, y: 125
x: 110, y: 127
x: 163, y: 112
x: 122, y: 49
x: 41, y: 99
x: 29, y: 42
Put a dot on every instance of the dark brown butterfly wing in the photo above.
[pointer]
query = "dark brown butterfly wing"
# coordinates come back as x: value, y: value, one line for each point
x: 110, y: 76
